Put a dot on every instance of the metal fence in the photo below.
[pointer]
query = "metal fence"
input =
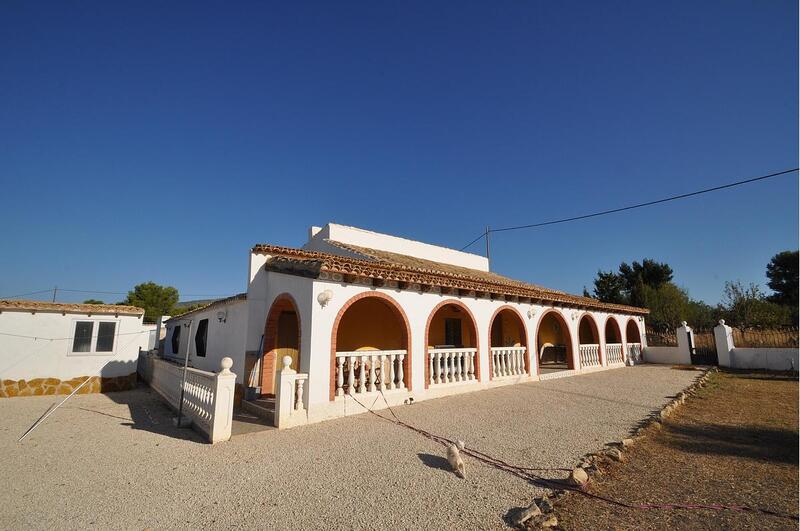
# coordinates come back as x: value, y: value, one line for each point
x: 658, y: 338
x: 705, y: 347
x: 770, y: 338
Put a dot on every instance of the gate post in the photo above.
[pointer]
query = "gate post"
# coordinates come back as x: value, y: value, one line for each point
x: 685, y: 343
x: 723, y: 337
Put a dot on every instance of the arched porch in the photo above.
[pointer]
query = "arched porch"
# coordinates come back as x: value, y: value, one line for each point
x: 633, y: 339
x: 371, y: 343
x: 508, y: 344
x: 554, y: 346
x: 588, y: 342
x: 613, y: 338
x: 451, y: 345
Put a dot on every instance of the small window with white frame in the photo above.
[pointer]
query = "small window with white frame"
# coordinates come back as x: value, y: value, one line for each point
x: 93, y: 337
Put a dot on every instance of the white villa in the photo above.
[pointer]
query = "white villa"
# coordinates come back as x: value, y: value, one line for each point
x: 355, y: 314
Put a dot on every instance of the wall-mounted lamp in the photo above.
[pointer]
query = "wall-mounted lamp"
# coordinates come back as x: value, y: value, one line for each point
x: 531, y: 312
x: 222, y: 317
x: 325, y: 297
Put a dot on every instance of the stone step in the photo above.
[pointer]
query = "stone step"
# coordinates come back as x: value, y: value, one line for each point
x: 261, y: 407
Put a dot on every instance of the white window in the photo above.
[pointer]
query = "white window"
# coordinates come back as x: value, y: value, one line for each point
x: 94, y: 337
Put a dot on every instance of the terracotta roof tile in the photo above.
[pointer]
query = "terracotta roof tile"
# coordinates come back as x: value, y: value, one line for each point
x: 213, y: 304
x: 38, y: 306
x: 386, y: 265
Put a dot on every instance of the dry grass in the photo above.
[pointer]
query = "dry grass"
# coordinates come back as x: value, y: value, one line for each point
x: 734, y: 443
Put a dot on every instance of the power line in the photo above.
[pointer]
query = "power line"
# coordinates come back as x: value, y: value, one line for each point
x: 631, y: 207
x: 26, y: 294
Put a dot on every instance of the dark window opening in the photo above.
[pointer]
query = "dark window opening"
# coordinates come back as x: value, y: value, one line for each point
x: 82, y: 341
x: 105, y: 337
x: 176, y: 339
x: 452, y: 332
x: 201, y: 338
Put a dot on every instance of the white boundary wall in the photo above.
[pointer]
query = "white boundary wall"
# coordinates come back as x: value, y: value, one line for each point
x: 774, y: 359
x: 680, y: 355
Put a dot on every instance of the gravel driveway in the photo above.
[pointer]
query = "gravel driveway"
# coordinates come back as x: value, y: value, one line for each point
x: 114, y: 461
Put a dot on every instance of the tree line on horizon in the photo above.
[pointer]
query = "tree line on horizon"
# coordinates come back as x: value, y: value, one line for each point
x: 649, y: 284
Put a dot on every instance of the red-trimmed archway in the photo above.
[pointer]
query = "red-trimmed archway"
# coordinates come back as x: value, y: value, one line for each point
x: 283, y: 319
x: 472, y: 333
x: 399, y: 314
x: 589, y: 334
x: 552, y: 335
x: 632, y: 333
x: 508, y: 316
x: 612, y: 332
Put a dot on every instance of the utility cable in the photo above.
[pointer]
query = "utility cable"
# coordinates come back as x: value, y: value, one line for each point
x: 631, y: 207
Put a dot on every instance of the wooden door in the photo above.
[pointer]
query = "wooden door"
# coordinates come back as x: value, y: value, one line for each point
x: 287, y: 342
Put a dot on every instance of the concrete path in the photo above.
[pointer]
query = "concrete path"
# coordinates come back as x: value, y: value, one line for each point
x: 115, y: 461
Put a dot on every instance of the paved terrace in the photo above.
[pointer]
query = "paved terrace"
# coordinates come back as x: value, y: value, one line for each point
x: 115, y: 461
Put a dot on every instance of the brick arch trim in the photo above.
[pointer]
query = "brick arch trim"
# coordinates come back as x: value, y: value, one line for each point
x: 565, y: 325
x: 524, y: 336
x: 397, y: 310
x: 269, y: 361
x: 638, y: 330
x: 431, y: 315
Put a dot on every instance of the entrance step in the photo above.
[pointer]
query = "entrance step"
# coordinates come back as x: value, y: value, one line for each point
x: 263, y: 407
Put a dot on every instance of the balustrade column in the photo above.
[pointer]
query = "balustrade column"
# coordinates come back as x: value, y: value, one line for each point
x: 340, y: 377
x: 400, y: 373
x: 351, y: 376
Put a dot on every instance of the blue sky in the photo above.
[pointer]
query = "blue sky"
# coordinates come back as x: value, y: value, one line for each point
x: 160, y: 141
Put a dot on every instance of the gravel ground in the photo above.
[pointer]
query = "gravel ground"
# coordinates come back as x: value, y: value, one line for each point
x: 734, y: 442
x: 114, y: 461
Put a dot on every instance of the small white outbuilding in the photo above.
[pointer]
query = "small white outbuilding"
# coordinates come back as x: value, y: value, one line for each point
x: 51, y: 348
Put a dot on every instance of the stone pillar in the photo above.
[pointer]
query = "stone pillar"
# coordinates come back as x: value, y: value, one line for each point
x: 284, y: 394
x: 723, y: 337
x: 224, y: 388
x: 685, y: 343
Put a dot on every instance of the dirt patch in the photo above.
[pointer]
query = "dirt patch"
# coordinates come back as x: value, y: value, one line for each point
x: 734, y: 442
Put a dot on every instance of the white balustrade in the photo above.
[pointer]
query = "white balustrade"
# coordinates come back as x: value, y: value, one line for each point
x: 508, y: 361
x: 590, y: 355
x: 614, y: 353
x: 635, y: 352
x: 369, y: 371
x: 207, y: 396
x: 451, y: 365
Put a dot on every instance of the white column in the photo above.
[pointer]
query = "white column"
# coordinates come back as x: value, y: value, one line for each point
x: 284, y: 394
x: 222, y: 406
x: 723, y: 337
x: 685, y: 343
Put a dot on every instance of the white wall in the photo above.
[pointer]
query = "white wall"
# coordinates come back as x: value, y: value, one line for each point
x: 25, y: 358
x: 773, y: 359
x: 225, y: 338
x: 387, y: 242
